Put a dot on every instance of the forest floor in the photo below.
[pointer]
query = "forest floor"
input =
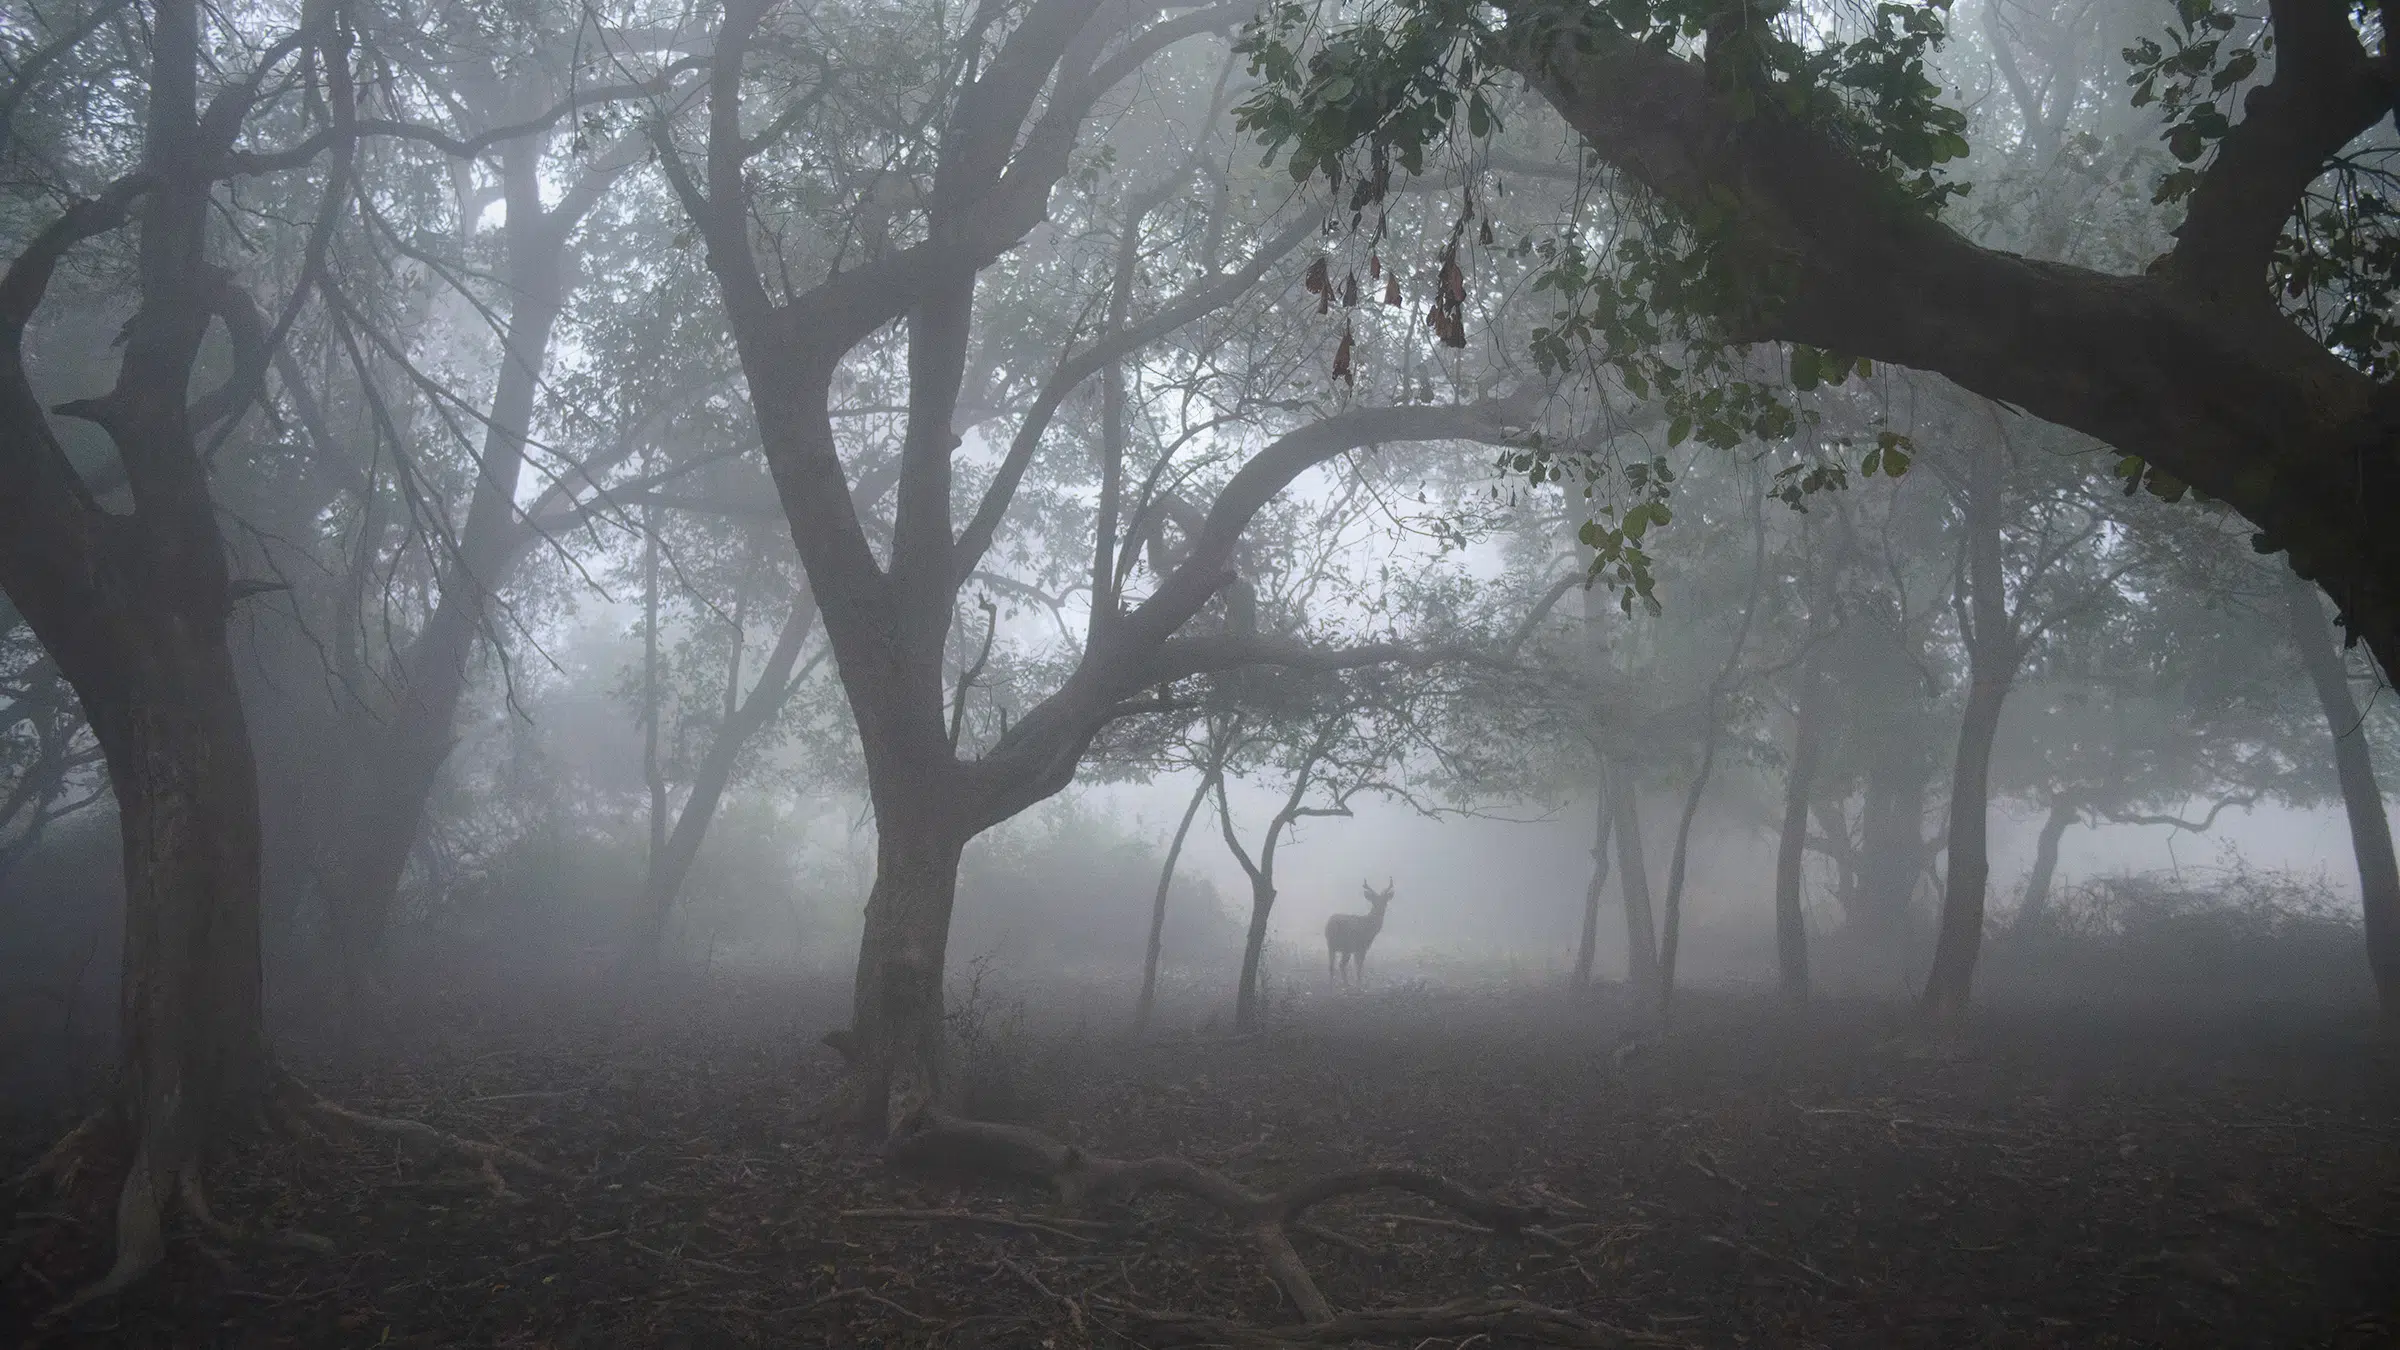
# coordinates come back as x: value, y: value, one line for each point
x: 1754, y: 1178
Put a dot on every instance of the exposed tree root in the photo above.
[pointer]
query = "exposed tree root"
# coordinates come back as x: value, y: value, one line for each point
x: 1465, y: 1319
x: 98, y: 1146
x: 299, y: 1107
x: 932, y: 1141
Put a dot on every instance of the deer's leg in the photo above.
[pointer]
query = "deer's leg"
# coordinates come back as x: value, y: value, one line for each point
x: 1333, y: 971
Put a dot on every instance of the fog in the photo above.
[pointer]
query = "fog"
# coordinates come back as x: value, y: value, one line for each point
x: 1126, y: 672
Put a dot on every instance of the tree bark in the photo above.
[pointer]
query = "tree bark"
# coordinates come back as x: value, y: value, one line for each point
x: 1590, y: 940
x: 1641, y: 933
x: 895, y: 1035
x: 2063, y: 814
x: 1148, y: 1001
x: 2362, y: 795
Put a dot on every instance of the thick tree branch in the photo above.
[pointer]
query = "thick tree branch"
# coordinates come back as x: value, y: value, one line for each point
x: 2230, y: 397
x: 2326, y: 92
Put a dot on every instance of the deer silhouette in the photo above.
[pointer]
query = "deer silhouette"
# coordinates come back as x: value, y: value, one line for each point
x: 1347, y: 936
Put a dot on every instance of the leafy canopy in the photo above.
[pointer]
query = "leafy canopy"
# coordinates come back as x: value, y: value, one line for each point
x: 1349, y: 94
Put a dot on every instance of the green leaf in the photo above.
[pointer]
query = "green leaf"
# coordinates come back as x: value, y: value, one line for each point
x: 1805, y: 374
x: 1679, y: 430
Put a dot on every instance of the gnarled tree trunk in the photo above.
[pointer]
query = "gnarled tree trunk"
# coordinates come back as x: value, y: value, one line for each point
x: 194, y: 1066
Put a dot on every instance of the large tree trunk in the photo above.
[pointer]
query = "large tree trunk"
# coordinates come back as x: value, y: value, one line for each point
x: 2362, y: 796
x: 1791, y: 849
x: 193, y: 1064
x: 1641, y: 932
x: 1148, y: 1001
x: 895, y: 1037
x: 1586, y: 946
x: 2063, y: 814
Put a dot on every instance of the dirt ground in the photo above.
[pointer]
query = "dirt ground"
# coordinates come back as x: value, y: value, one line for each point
x: 1754, y: 1178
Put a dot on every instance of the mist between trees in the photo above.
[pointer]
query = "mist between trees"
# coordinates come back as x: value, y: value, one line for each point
x: 627, y: 492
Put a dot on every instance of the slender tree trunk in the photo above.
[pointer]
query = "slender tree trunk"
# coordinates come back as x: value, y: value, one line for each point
x: 1148, y: 1001
x: 2063, y: 813
x: 1891, y: 852
x: 1672, y: 939
x: 2362, y: 796
x: 1254, y: 948
x: 400, y: 759
x: 654, y: 772
x: 1993, y: 650
x: 1590, y: 940
x: 1791, y: 850
x: 1968, y: 876
x: 671, y: 862
x: 1641, y: 934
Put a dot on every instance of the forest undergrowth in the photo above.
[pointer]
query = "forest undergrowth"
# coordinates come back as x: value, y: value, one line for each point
x: 2123, y: 1177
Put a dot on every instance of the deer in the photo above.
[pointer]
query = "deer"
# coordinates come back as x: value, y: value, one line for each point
x: 1347, y: 936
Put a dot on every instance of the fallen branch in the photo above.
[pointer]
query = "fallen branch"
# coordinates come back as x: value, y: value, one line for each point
x: 1064, y: 1228
x: 1512, y: 1318
x: 933, y: 1141
x: 300, y: 1105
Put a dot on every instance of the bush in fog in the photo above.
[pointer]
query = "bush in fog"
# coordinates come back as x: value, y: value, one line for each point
x: 2227, y: 934
x: 1072, y: 889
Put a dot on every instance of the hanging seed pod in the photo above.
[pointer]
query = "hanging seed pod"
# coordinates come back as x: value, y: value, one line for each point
x: 1454, y: 281
x: 1350, y: 290
x: 1391, y: 289
x: 1484, y: 235
x: 1317, y: 279
x: 1374, y: 267
x: 1325, y: 300
x: 1341, y: 360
